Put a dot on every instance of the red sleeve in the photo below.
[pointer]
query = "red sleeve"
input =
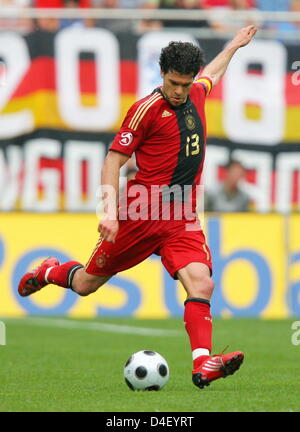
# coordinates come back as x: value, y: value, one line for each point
x: 206, y: 83
x: 135, y: 125
x: 128, y: 139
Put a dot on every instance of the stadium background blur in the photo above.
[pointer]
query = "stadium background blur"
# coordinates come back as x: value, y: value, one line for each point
x: 69, y: 71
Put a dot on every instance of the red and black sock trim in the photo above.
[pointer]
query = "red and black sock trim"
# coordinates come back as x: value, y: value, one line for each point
x: 197, y: 300
x: 71, y: 273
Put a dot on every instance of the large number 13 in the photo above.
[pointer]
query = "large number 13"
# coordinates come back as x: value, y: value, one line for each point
x: 192, y: 145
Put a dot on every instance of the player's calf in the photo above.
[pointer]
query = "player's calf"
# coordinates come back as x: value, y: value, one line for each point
x: 84, y: 283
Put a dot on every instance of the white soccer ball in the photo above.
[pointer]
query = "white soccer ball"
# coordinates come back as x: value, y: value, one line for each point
x: 146, y: 370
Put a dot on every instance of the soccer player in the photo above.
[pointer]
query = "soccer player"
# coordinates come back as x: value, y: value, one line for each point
x: 167, y: 132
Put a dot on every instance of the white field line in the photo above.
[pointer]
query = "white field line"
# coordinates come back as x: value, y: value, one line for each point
x: 97, y: 326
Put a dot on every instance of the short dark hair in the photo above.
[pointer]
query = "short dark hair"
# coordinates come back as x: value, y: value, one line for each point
x: 181, y: 57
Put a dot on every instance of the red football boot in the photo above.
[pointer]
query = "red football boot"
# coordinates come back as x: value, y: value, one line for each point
x: 34, y: 280
x: 217, y: 366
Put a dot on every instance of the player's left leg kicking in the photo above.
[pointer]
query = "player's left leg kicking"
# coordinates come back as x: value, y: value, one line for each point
x: 195, y: 277
x: 71, y: 274
x: 135, y: 243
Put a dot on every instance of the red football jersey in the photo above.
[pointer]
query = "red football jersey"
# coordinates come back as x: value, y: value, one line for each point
x: 169, y: 142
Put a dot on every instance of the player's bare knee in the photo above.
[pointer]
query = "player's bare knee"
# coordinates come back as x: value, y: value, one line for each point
x: 209, y: 286
x: 203, y: 287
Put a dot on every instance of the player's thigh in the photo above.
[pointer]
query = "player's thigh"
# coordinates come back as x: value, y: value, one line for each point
x: 184, y: 248
x: 136, y: 240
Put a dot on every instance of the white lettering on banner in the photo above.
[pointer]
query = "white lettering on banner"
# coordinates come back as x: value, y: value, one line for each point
x: 48, y: 177
x: 296, y: 75
x: 93, y: 153
x: 265, y: 90
x: 76, y: 152
x: 14, y: 52
x: 286, y: 165
x: 261, y: 162
x: 149, y: 47
x: 215, y: 156
x: 69, y: 43
x: 10, y: 176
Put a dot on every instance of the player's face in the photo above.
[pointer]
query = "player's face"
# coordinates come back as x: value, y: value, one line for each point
x: 176, y: 87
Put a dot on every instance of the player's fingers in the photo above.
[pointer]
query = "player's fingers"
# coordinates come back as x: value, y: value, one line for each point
x: 108, y: 234
x: 101, y: 228
x: 246, y: 29
x: 250, y: 30
x: 104, y: 232
x: 112, y: 236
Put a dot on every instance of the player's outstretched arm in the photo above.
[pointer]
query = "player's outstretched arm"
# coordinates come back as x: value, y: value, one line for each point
x: 217, y: 67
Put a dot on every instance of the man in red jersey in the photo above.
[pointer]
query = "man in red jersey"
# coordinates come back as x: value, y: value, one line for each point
x: 167, y: 132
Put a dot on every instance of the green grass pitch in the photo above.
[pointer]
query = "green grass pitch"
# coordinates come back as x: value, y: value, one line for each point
x: 49, y: 368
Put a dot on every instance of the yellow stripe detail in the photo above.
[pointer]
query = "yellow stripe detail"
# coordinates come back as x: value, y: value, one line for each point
x: 136, y: 114
x: 207, y: 82
x: 95, y: 250
x: 143, y: 108
x: 146, y: 108
x: 206, y: 251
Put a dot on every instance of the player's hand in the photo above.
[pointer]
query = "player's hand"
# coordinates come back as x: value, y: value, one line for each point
x: 108, y: 229
x: 244, y: 36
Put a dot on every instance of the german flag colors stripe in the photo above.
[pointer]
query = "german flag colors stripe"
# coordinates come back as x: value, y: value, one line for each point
x: 206, y: 82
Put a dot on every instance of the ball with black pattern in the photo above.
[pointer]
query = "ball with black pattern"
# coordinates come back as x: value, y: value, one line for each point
x: 146, y: 370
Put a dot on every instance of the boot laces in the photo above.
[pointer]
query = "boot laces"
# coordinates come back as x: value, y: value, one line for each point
x: 223, y: 351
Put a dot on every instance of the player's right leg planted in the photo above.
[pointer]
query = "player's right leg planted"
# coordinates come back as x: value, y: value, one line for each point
x: 207, y: 368
x: 48, y: 272
x: 199, y: 285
